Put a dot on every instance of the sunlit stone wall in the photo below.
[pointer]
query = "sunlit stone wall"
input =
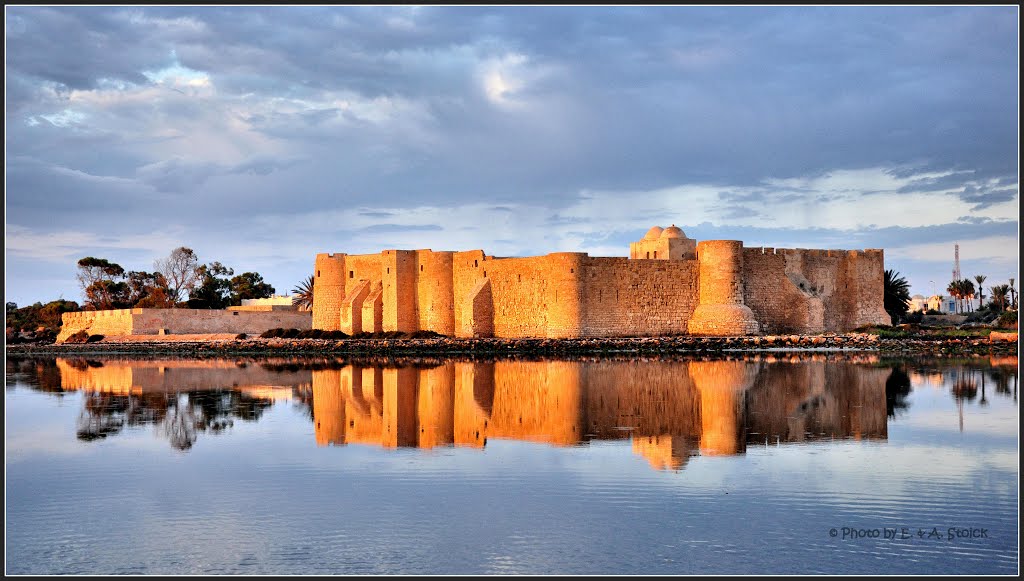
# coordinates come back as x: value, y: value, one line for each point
x: 126, y: 322
x: 715, y: 287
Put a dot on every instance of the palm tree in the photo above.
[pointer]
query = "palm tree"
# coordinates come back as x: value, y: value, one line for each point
x: 981, y: 290
x: 999, y: 294
x: 1013, y: 295
x: 896, y: 295
x: 966, y: 292
x: 304, y: 294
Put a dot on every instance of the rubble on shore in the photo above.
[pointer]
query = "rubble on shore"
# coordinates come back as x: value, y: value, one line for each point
x: 447, y: 346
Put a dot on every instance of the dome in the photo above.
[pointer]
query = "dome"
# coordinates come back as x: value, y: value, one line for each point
x: 653, y: 233
x: 673, y: 231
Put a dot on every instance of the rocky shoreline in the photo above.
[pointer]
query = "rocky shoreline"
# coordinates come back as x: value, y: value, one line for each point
x: 614, y: 346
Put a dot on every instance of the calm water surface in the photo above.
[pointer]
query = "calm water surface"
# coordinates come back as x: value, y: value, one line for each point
x: 767, y: 464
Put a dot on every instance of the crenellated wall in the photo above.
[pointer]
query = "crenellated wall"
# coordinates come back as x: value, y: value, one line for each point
x: 715, y: 287
x: 516, y: 289
x: 811, y: 291
x: 623, y: 297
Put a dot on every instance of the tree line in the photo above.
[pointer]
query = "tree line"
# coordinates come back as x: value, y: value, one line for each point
x: 1001, y: 297
x: 177, y: 281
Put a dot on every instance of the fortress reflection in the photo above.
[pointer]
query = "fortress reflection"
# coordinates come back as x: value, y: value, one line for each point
x: 182, y: 398
x: 670, y: 410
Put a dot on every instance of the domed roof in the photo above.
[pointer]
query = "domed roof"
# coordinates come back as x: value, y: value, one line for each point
x: 653, y: 233
x: 673, y: 231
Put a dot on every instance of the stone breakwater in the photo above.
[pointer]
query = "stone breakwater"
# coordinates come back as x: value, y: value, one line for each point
x: 444, y: 346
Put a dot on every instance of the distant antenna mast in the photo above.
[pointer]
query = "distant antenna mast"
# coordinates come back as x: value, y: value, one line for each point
x: 956, y: 261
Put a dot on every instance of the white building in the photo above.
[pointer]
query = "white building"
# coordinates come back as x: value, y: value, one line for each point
x: 274, y: 300
x: 941, y: 303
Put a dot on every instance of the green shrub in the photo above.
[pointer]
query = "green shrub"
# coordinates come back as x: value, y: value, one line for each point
x: 241, y: 336
x: 1007, y: 320
x: 94, y: 339
x: 291, y: 333
x: 272, y: 333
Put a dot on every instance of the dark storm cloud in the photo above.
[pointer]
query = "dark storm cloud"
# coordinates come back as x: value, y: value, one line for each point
x: 75, y: 46
x: 194, y: 117
x: 682, y: 93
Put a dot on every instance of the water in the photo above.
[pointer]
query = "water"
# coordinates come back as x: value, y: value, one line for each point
x: 122, y: 466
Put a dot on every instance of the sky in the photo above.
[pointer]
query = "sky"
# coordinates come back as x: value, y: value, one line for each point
x: 261, y: 136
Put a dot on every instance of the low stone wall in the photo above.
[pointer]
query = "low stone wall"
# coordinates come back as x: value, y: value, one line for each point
x: 264, y: 308
x: 180, y: 322
x: 113, y: 322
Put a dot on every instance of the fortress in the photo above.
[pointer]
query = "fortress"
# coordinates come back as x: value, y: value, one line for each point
x: 670, y: 284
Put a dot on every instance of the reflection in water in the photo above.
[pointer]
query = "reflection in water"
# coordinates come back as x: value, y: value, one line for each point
x: 669, y: 409
x: 265, y: 499
x: 182, y: 398
x: 897, y: 388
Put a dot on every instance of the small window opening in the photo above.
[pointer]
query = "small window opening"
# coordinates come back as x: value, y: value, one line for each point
x: 475, y: 264
x: 351, y: 274
x: 318, y: 274
x: 648, y: 255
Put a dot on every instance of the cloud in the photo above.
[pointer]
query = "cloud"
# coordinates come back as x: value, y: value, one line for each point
x: 71, y: 245
x: 402, y: 228
x: 180, y: 174
x: 771, y: 124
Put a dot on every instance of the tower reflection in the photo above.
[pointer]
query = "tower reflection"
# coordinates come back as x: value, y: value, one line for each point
x: 670, y: 410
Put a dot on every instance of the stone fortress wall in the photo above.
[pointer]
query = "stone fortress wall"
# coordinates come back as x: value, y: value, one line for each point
x: 671, y: 284
x: 124, y: 322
